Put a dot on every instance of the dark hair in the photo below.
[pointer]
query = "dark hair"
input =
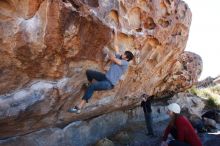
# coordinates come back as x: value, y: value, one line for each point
x: 129, y: 55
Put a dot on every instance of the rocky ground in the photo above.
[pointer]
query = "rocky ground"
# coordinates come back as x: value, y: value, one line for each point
x: 135, y: 135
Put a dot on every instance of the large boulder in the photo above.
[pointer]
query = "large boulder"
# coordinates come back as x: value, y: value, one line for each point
x: 46, y: 46
x: 190, y: 104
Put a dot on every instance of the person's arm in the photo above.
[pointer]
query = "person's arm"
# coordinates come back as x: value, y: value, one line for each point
x: 142, y: 103
x: 114, y: 59
x: 116, y: 48
x: 180, y: 129
x: 150, y: 98
x: 166, y: 132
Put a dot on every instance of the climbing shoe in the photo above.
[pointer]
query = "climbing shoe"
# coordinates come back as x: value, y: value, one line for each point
x: 74, y: 110
x: 86, y: 85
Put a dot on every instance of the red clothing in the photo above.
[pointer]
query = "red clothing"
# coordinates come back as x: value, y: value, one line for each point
x: 185, y: 132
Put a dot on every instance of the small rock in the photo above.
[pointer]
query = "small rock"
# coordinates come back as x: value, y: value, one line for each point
x: 210, y: 122
x: 122, y: 137
x: 104, y: 142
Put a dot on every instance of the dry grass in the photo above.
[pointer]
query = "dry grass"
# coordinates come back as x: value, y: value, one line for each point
x: 210, y: 94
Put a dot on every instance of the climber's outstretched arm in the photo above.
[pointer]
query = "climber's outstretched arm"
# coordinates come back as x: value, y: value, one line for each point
x: 113, y: 58
x: 116, y: 49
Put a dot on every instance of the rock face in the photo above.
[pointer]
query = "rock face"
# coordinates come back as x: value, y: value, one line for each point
x: 82, y: 133
x: 121, y: 127
x: 46, y: 46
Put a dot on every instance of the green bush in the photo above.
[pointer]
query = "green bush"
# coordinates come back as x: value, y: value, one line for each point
x: 193, y: 90
x: 211, y: 102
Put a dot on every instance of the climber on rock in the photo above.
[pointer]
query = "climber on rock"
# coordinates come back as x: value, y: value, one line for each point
x: 105, y: 81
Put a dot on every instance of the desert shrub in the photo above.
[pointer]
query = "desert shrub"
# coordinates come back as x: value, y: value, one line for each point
x: 210, y: 94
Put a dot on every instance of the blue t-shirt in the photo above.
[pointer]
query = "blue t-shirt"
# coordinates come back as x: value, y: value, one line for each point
x: 116, y: 71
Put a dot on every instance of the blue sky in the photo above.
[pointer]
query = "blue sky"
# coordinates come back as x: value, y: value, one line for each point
x: 204, y: 34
